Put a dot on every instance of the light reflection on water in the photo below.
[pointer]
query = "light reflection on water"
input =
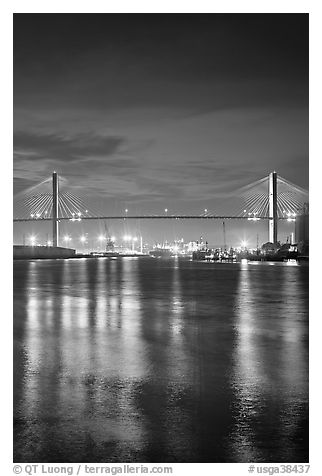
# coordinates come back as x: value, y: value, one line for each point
x: 271, y: 369
x: 152, y: 360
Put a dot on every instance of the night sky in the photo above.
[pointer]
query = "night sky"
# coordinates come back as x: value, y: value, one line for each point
x: 148, y: 111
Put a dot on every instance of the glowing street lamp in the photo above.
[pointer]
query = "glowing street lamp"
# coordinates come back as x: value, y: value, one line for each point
x: 83, y: 239
x: 134, y: 239
x: 67, y: 238
x: 33, y: 240
x: 101, y: 239
x: 206, y: 210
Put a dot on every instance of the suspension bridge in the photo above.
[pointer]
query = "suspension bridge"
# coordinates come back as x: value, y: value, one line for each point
x: 270, y: 198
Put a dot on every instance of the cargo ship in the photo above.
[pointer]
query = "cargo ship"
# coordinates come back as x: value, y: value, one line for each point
x: 161, y: 253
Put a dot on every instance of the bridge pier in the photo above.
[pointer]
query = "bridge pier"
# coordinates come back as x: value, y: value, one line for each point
x: 272, y: 207
x: 55, y: 210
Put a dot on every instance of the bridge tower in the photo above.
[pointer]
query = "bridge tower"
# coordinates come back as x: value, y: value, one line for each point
x: 55, y: 209
x: 272, y: 207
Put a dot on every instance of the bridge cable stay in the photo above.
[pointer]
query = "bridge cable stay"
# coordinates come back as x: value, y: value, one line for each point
x: 251, y: 201
x: 37, y: 202
x: 254, y: 199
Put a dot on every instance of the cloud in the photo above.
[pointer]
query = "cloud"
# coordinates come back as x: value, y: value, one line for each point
x: 35, y: 146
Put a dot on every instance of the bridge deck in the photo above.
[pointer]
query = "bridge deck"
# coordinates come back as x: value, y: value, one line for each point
x: 152, y: 217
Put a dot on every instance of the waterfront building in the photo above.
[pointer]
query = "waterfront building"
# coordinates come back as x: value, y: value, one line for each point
x: 302, y: 230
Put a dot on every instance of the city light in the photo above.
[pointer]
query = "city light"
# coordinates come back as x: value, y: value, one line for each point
x: 33, y: 240
x: 243, y: 244
x: 126, y: 210
x: 166, y: 210
x: 206, y: 210
x: 113, y: 238
x: 83, y: 238
x: 101, y: 238
x: 254, y: 218
x: 67, y: 238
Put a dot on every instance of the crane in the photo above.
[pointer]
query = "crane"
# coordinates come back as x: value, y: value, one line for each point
x: 109, y: 241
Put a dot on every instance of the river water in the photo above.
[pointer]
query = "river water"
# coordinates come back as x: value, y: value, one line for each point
x: 144, y: 360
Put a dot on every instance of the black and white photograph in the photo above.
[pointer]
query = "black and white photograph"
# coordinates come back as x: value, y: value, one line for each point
x: 161, y: 240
